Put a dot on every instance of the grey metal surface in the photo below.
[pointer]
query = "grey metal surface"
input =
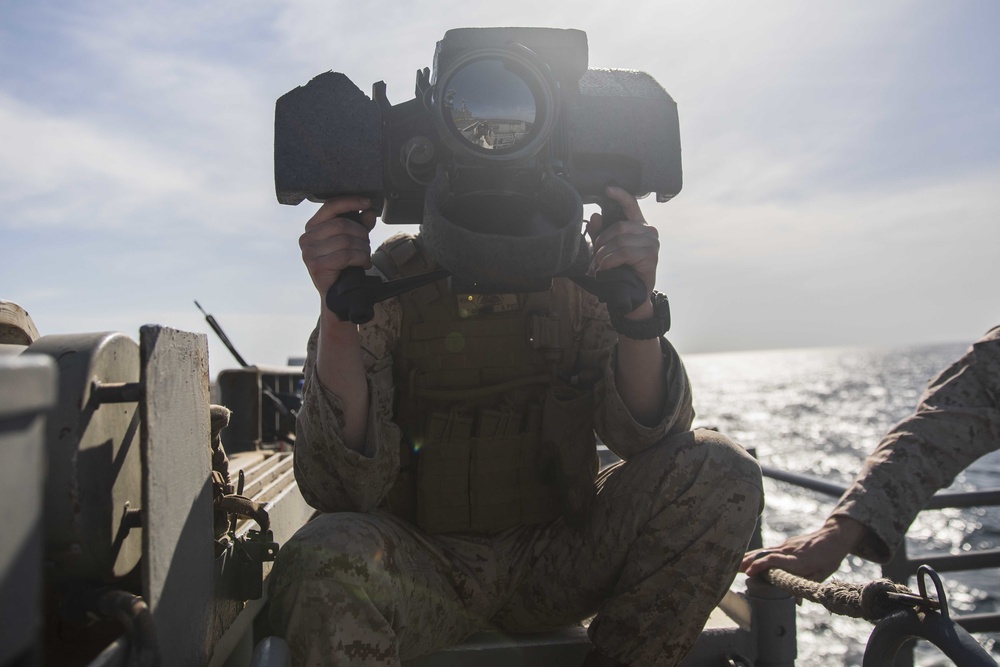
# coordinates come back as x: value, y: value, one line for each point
x: 92, y: 448
x: 774, y: 624
x: 178, y: 556
x: 27, y: 392
x: 235, y: 620
x: 562, y: 648
x: 730, y: 633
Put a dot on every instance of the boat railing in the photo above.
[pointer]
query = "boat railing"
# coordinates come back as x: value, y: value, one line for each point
x: 902, y: 566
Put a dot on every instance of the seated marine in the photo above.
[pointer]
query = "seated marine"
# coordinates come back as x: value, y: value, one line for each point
x: 450, y: 445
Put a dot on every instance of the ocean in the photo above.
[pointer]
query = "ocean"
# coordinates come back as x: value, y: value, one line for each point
x: 820, y: 412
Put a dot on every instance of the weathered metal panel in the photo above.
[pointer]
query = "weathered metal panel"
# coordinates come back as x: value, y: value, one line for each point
x: 178, y: 556
x: 27, y: 391
x: 94, y: 466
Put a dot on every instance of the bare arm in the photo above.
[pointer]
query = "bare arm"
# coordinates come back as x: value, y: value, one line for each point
x: 631, y: 242
x: 329, y: 245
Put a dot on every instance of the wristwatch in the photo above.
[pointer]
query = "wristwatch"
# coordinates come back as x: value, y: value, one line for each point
x: 653, y: 327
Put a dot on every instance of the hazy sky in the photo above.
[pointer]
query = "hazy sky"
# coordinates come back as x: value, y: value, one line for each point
x: 841, y: 160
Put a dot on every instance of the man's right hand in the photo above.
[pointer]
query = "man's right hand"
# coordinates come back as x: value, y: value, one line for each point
x: 332, y: 242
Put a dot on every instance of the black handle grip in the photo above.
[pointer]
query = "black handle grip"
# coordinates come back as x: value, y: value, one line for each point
x: 623, y: 289
x: 346, y: 296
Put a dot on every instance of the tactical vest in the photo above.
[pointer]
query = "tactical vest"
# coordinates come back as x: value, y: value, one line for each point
x: 495, y: 434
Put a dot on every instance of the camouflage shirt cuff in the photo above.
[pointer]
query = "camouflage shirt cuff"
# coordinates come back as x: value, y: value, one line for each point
x: 346, y: 479
x: 881, y: 538
x: 616, y: 426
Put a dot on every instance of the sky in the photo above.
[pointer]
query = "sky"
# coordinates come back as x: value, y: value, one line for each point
x: 841, y: 160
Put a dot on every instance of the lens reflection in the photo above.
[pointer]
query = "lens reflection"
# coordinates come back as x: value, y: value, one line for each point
x: 489, y: 106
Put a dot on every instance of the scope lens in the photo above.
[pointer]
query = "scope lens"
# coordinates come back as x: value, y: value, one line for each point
x: 490, y: 107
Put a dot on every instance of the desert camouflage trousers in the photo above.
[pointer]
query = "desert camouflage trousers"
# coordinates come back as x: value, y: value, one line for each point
x: 659, y: 550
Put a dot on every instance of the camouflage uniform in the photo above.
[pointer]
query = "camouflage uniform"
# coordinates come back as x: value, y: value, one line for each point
x: 659, y: 546
x: 957, y: 421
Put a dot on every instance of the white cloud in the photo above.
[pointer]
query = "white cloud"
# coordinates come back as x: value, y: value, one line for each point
x: 61, y: 170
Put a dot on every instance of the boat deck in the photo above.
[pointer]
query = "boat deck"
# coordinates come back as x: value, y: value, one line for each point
x: 726, y: 634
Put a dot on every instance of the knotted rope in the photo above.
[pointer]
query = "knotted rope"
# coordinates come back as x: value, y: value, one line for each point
x: 871, y: 601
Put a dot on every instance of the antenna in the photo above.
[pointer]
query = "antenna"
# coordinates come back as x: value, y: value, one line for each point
x: 282, y: 408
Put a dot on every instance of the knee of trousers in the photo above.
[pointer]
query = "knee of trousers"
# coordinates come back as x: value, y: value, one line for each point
x: 726, y: 460
x: 333, y: 579
x: 707, y: 460
x: 345, y: 547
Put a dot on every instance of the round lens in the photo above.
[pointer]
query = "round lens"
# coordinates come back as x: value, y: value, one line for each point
x: 489, y: 106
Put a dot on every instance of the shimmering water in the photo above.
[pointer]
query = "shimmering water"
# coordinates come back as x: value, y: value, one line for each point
x: 820, y: 412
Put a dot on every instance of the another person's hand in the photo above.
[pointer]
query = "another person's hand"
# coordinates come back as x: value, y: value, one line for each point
x: 814, y: 556
x: 629, y: 242
x: 331, y: 242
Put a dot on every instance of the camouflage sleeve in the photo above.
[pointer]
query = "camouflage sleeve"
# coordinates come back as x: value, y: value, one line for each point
x: 331, y: 476
x: 613, y: 422
x: 957, y: 421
